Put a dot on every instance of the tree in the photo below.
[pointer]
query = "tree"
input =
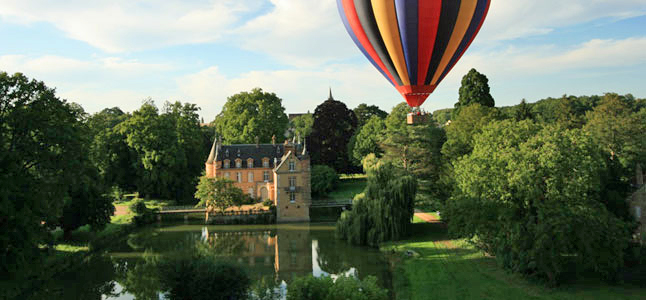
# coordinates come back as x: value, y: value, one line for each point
x: 109, y: 151
x: 39, y: 133
x: 531, y: 196
x: 301, y: 126
x: 167, y: 147
x: 250, y: 115
x: 217, y: 193
x: 383, y: 212
x: 365, y: 112
x: 416, y: 149
x: 619, y: 131
x: 460, y: 133
x: 367, y: 140
x: 334, y: 125
x: 523, y: 111
x: 474, y: 89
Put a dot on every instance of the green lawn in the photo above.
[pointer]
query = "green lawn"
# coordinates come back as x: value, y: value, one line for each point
x: 452, y: 269
x: 347, y: 188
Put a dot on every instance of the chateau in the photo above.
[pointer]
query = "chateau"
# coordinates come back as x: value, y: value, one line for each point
x: 276, y: 172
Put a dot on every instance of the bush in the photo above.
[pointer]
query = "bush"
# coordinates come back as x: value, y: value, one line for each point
x: 202, y: 277
x: 142, y: 214
x: 324, y: 179
x: 324, y: 288
x: 268, y: 203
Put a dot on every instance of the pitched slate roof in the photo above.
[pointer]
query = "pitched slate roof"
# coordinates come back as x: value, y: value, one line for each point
x: 246, y: 151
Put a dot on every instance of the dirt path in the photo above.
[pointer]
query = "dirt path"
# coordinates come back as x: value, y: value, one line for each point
x: 120, y: 210
x: 427, y: 217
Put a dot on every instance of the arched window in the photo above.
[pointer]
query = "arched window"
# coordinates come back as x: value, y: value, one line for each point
x: 265, y: 162
x: 250, y: 163
x: 238, y: 163
x: 226, y: 163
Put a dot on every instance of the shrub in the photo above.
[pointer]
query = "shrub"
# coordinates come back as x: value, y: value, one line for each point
x: 142, y: 214
x: 202, y: 277
x: 324, y: 179
x: 324, y: 288
x: 268, y: 203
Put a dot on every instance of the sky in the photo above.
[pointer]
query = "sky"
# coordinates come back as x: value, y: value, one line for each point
x: 104, y: 54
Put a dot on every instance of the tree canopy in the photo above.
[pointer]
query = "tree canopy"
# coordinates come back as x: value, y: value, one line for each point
x: 541, y: 201
x: 365, y: 112
x: 301, y: 126
x: 218, y: 193
x: 367, y: 140
x: 250, y: 115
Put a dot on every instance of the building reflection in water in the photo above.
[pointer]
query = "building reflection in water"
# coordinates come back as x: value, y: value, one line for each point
x: 283, y: 252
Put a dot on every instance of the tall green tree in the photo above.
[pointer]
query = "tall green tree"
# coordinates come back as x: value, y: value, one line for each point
x: 301, y: 126
x: 365, y: 112
x: 367, y: 140
x: 417, y: 150
x: 474, y: 89
x: 39, y: 134
x: 168, y: 149
x: 532, y: 198
x: 109, y: 151
x: 334, y: 125
x: 460, y: 133
x: 523, y: 111
x: 248, y: 115
x: 620, y: 131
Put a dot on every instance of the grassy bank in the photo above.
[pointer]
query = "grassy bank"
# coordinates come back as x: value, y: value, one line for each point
x: 444, y: 268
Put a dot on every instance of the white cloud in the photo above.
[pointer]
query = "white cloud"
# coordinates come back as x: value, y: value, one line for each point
x: 298, y: 32
x: 116, y: 26
x: 510, y: 19
x: 301, y: 89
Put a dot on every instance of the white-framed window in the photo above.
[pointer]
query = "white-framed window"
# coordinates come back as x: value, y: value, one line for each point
x: 250, y: 163
x: 265, y: 163
x: 265, y: 176
x: 227, y: 175
x: 239, y: 177
x: 292, y: 165
x: 292, y: 197
x: 226, y: 163
x: 292, y: 181
x: 238, y: 163
x: 250, y: 191
x: 250, y: 177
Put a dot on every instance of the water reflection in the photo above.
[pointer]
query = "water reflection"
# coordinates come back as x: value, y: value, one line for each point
x: 272, y: 255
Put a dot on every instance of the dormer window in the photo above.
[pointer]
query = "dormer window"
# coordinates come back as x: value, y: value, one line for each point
x: 250, y: 163
x: 292, y: 165
x: 238, y: 163
x: 226, y: 153
x: 226, y: 163
x: 265, y: 162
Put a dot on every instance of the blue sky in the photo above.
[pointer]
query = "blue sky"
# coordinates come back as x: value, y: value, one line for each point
x: 117, y: 53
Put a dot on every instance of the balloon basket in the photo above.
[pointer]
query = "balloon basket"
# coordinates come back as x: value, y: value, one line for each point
x: 417, y: 118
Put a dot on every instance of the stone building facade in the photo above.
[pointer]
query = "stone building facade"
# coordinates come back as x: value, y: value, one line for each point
x: 276, y: 172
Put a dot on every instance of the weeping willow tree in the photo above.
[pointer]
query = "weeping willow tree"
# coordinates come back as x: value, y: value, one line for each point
x: 384, y: 211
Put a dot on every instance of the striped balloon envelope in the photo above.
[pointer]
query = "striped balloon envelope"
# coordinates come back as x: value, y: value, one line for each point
x: 413, y: 43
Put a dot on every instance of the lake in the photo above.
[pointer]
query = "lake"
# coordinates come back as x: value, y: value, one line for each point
x: 272, y: 254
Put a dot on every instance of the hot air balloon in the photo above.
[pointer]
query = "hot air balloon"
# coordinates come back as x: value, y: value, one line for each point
x: 413, y: 43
